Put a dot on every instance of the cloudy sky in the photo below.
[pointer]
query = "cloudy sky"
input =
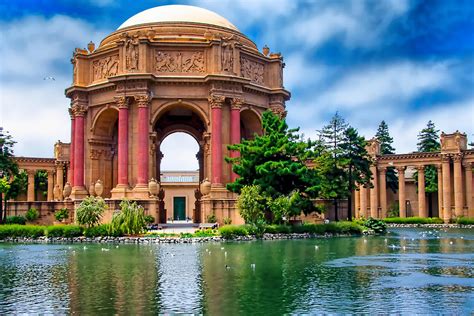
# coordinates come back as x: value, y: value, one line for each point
x: 405, y: 62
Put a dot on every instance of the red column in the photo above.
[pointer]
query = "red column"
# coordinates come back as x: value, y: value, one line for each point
x: 235, y: 128
x: 70, y: 174
x: 143, y: 121
x: 216, y: 138
x: 123, y: 143
x: 79, y: 150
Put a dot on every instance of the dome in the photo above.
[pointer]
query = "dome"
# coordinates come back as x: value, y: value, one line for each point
x: 177, y: 13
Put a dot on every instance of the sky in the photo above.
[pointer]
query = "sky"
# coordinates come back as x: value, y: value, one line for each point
x: 405, y: 62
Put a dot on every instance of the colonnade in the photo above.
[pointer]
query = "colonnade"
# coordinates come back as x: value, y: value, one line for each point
x: 55, y: 179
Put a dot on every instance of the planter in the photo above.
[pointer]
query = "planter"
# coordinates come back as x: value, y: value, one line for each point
x: 99, y: 188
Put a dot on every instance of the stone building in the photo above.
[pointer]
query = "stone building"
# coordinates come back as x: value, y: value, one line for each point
x: 186, y: 69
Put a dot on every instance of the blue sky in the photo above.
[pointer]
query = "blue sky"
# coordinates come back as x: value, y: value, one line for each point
x: 404, y: 62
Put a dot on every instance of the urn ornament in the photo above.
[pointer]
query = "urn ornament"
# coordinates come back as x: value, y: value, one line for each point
x: 153, y: 187
x: 67, y: 190
x: 56, y: 192
x: 205, y: 187
x: 91, y: 47
x: 92, y: 189
x: 99, y: 188
x: 266, y: 50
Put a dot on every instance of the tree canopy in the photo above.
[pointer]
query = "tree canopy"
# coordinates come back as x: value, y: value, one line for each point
x: 428, y: 138
x: 8, y: 170
x: 386, y: 148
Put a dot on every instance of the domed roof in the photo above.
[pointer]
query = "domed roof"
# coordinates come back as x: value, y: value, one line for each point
x: 177, y: 13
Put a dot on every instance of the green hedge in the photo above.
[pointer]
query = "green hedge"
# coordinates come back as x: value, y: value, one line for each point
x: 14, y: 230
x: 413, y: 220
x: 68, y: 231
x: 465, y: 220
x: 231, y: 231
x: 102, y: 230
x: 20, y: 220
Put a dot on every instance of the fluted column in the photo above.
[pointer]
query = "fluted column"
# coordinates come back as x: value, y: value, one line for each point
x: 422, y: 212
x: 374, y: 205
x: 70, y: 174
x: 383, y: 191
x: 122, y: 103
x: 60, y: 179
x: 216, y: 103
x: 468, y: 176
x: 446, y: 187
x: 357, y: 202
x: 50, y: 185
x: 440, y: 190
x: 30, y: 196
x: 236, y: 104
x: 143, y: 102
x: 458, y: 192
x: 79, y: 113
x: 401, y: 191
x: 363, y: 201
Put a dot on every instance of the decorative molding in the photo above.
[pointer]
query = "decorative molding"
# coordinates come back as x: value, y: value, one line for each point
x: 79, y: 110
x: 179, y: 62
x: 278, y: 110
x: 143, y: 101
x: 236, y: 103
x: 252, y: 70
x: 457, y: 157
x: 105, y: 67
x: 122, y: 102
x: 420, y: 168
x: 417, y: 155
x: 216, y: 101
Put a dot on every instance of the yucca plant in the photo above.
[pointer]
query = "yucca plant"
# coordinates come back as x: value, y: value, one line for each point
x: 130, y: 220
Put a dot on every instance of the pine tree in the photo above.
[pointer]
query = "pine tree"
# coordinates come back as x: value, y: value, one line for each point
x: 386, y: 148
x: 428, y: 138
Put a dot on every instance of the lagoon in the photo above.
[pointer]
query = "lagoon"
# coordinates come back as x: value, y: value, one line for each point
x: 409, y: 270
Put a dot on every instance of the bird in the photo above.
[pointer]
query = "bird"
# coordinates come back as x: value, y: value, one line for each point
x: 49, y: 78
x: 316, y: 247
x: 105, y: 249
x: 227, y: 267
x: 252, y: 265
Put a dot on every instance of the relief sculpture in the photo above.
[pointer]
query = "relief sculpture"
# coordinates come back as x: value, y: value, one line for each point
x: 131, y: 53
x: 105, y: 67
x: 179, y: 62
x: 252, y: 70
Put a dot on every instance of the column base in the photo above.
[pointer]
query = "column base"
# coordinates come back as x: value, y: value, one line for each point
x: 120, y: 191
x: 78, y: 193
x: 140, y: 191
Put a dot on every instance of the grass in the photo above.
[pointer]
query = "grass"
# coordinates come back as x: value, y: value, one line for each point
x: 413, y: 220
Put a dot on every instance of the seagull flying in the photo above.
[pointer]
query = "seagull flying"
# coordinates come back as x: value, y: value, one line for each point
x: 49, y: 78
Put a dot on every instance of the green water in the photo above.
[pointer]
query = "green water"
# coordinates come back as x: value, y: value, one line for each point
x: 408, y: 271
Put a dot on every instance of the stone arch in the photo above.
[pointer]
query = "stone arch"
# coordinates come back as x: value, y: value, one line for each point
x: 180, y: 104
x: 250, y: 123
x: 104, y: 121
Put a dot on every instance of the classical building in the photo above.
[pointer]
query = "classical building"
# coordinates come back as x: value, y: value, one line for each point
x: 186, y: 69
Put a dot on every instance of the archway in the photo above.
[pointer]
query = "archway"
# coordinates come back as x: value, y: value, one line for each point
x: 250, y: 124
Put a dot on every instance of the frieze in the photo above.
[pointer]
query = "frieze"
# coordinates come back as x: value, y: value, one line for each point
x: 105, y: 67
x: 410, y: 156
x: 179, y: 62
x: 252, y: 70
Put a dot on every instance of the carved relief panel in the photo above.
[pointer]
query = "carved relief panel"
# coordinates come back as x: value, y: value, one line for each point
x: 252, y: 70
x: 179, y: 62
x: 105, y: 67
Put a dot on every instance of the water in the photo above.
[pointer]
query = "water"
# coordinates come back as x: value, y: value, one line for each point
x: 408, y: 271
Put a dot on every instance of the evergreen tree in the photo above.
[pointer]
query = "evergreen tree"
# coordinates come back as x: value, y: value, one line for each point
x: 386, y: 148
x: 428, y: 138
x: 8, y: 169
x: 277, y: 162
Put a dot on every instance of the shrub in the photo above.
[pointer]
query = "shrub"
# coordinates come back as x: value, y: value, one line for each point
x: 61, y: 214
x: 211, y: 218
x: 465, y: 220
x: 32, y: 214
x: 100, y: 231
x: 378, y: 226
x: 206, y: 233
x: 413, y: 220
x: 31, y: 231
x: 149, y: 219
x: 227, y: 221
x: 251, y: 204
x: 277, y: 229
x: 231, y: 231
x: 90, y: 211
x: 393, y: 210
x: 129, y: 220
x: 20, y: 220
x: 349, y: 228
x: 68, y: 231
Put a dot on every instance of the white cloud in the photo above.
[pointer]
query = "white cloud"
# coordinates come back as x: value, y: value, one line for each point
x: 179, y: 153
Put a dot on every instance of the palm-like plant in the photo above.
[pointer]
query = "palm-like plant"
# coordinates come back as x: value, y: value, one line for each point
x: 90, y: 211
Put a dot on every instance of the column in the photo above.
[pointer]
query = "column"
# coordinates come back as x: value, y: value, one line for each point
x: 458, y: 193
x: 468, y: 174
x: 122, y: 180
x: 401, y: 191
x: 357, y: 202
x: 374, y: 205
x: 446, y: 187
x: 236, y: 104
x: 143, y: 102
x: 79, y: 149
x: 60, y: 179
x: 70, y: 174
x: 50, y: 185
x: 216, y: 103
x: 383, y: 191
x: 30, y: 196
x: 363, y: 201
x: 422, y: 212
x: 440, y: 191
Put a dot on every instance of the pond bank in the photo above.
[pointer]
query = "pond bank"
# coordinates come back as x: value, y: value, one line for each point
x: 430, y: 226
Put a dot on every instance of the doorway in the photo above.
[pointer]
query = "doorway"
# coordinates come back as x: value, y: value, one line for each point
x: 179, y: 208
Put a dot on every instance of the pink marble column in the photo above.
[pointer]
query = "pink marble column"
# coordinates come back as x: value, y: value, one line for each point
x: 216, y: 138
x: 70, y: 174
x: 79, y: 149
x: 143, y: 122
x: 236, y: 104
x: 122, y: 141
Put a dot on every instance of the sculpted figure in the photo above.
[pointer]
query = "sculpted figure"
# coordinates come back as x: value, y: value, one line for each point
x: 227, y: 54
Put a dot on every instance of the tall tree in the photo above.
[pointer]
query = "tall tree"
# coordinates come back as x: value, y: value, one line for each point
x: 277, y: 162
x: 8, y: 168
x: 386, y: 148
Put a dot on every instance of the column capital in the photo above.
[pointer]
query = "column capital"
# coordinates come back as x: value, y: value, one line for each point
x: 236, y: 103
x: 278, y: 110
x: 439, y: 167
x: 445, y: 158
x: 420, y: 168
x: 382, y: 169
x: 143, y: 100
x: 78, y: 109
x: 468, y: 165
x: 216, y: 101
x: 30, y: 172
x: 400, y: 168
x: 122, y: 102
x: 457, y: 157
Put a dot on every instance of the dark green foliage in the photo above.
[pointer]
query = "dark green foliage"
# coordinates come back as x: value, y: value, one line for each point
x: 211, y: 218
x: 32, y: 214
x: 102, y: 230
x: 61, y: 214
x: 393, y: 210
x: 428, y: 138
x: 20, y: 220
x: 90, y: 211
x: 30, y: 231
x: 149, y: 219
x: 231, y: 231
x: 8, y: 170
x: 378, y: 226
x: 41, y: 182
x: 465, y: 221
x: 129, y: 220
x: 278, y: 229
x: 276, y: 161
x: 67, y: 231
x: 386, y: 148
x: 413, y: 220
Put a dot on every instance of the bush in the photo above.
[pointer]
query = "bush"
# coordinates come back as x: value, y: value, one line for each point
x: 227, y: 221
x: 206, y: 233
x: 349, y: 228
x: 31, y: 231
x: 211, y: 218
x: 61, y: 214
x: 90, y: 211
x: 149, y: 219
x: 231, y: 231
x: 251, y: 204
x: 129, y: 220
x: 378, y: 226
x: 393, y: 210
x: 277, y: 229
x: 32, y: 214
x: 20, y: 220
x: 413, y: 220
x: 465, y: 220
x: 68, y: 231
x: 100, y: 231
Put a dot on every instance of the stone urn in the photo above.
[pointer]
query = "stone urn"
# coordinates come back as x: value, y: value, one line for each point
x: 205, y: 187
x: 56, y: 192
x: 266, y: 50
x: 92, y: 189
x: 99, y: 188
x: 153, y: 187
x: 67, y: 190
x: 91, y: 47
